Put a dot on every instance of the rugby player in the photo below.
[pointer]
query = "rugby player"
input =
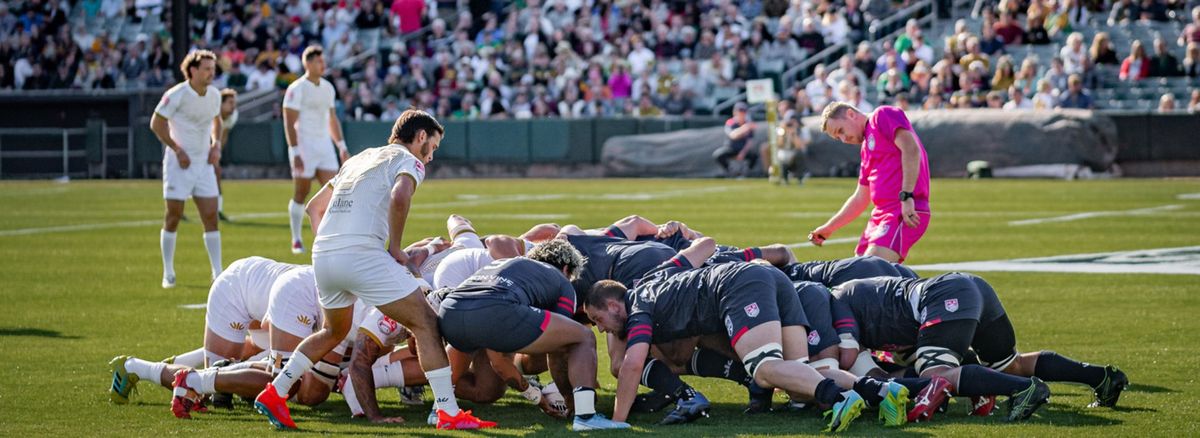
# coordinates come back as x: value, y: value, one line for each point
x: 229, y: 118
x: 526, y: 305
x: 763, y: 320
x: 893, y: 175
x: 187, y: 121
x: 312, y: 128
x: 931, y: 323
x: 360, y: 218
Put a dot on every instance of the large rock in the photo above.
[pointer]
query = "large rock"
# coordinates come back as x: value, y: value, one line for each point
x: 952, y: 138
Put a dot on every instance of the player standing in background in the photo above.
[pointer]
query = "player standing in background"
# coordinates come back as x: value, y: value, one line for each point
x: 311, y: 128
x: 893, y: 175
x: 357, y: 254
x: 187, y: 121
x: 229, y: 118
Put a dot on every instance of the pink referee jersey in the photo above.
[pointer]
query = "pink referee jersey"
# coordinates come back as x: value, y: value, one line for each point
x: 882, y: 172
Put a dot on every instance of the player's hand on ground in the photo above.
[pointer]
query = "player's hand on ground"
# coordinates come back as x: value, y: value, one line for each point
x: 909, y: 211
x: 387, y: 420
x: 214, y: 154
x: 556, y: 410
x: 297, y: 164
x: 184, y: 159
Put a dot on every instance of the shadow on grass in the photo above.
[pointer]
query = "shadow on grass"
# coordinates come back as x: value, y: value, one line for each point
x: 1138, y: 387
x: 34, y: 332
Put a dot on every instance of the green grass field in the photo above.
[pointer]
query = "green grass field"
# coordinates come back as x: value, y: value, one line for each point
x: 80, y: 278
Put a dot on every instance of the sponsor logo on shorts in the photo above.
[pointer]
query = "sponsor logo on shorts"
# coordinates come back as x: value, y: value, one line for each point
x: 814, y: 338
x: 387, y: 326
x: 881, y: 230
x: 237, y: 326
x: 304, y: 320
x: 924, y: 314
x: 952, y: 305
x: 729, y: 326
x: 751, y: 310
x: 871, y: 142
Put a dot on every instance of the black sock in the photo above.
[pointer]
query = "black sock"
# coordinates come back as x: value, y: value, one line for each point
x: 1052, y: 367
x: 709, y: 363
x: 869, y: 389
x: 658, y: 376
x: 914, y: 384
x: 828, y: 392
x: 978, y: 380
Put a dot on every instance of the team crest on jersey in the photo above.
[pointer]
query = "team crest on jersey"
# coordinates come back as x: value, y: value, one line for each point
x: 387, y: 325
x: 871, y: 142
x: 420, y: 167
x: 751, y: 310
x: 952, y: 305
x: 237, y: 326
x: 304, y: 320
x: 814, y: 338
x: 729, y: 326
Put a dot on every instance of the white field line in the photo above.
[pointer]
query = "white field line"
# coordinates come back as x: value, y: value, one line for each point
x: 827, y: 242
x: 200, y: 306
x: 1189, y: 197
x: 1179, y: 261
x: 1095, y: 214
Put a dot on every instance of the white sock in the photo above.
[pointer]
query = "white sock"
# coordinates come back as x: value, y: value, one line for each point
x: 220, y: 203
x: 443, y: 390
x: 468, y: 240
x: 166, y: 240
x: 212, y: 358
x: 203, y: 381
x: 212, y: 242
x: 191, y: 359
x: 295, y: 368
x: 295, y: 219
x: 389, y: 375
x: 585, y: 401
x: 148, y: 371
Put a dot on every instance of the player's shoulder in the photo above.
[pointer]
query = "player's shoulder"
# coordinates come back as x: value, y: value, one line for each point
x: 176, y: 91
x: 212, y: 91
x: 325, y: 83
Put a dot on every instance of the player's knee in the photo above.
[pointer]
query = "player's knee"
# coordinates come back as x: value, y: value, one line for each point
x: 930, y: 357
x: 754, y: 360
x: 311, y: 396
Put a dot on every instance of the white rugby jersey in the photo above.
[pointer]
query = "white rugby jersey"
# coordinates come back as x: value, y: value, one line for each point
x: 358, y: 211
x: 190, y: 117
x: 313, y: 102
x: 254, y: 276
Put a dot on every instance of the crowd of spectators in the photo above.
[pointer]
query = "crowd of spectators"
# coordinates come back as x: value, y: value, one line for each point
x: 467, y: 59
x: 577, y: 58
x: 977, y: 67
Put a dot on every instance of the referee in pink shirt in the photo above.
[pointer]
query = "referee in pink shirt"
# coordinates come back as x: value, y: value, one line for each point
x: 893, y: 175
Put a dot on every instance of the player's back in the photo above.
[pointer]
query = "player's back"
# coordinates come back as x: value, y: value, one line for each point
x: 357, y: 214
x: 518, y: 280
x: 255, y: 275
x: 884, y: 308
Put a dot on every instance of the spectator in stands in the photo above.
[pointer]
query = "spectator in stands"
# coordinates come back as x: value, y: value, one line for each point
x: 934, y: 102
x: 816, y: 87
x: 856, y: 21
x: 744, y: 70
x: 1163, y: 63
x: 989, y: 43
x: 1076, y: 96
x: 864, y: 59
x: 1123, y: 12
x: 847, y: 70
x: 646, y: 107
x: 1005, y: 76
x: 739, y: 131
x: 1136, y: 66
x: 1057, y: 75
x: 1074, y: 55
x: 620, y: 83
x: 1102, y: 52
x: 920, y: 78
x: 782, y: 47
x: 1044, y: 99
x: 1191, y: 60
x: 995, y: 100
x: 809, y: 38
x: 1017, y: 100
x: 1035, y: 30
x: 1152, y: 10
x: 1191, y: 32
x: 1026, y: 77
x: 676, y: 103
x: 974, y: 54
x: 1194, y: 104
x: 1009, y: 30
x: 855, y: 98
x: 1166, y: 103
x: 406, y: 17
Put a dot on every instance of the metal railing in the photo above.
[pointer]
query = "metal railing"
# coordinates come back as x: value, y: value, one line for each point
x: 258, y: 105
x: 68, y: 151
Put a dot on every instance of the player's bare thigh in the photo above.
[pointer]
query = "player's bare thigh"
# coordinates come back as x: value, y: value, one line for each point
x: 174, y: 213
x: 207, y: 207
x: 883, y: 253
